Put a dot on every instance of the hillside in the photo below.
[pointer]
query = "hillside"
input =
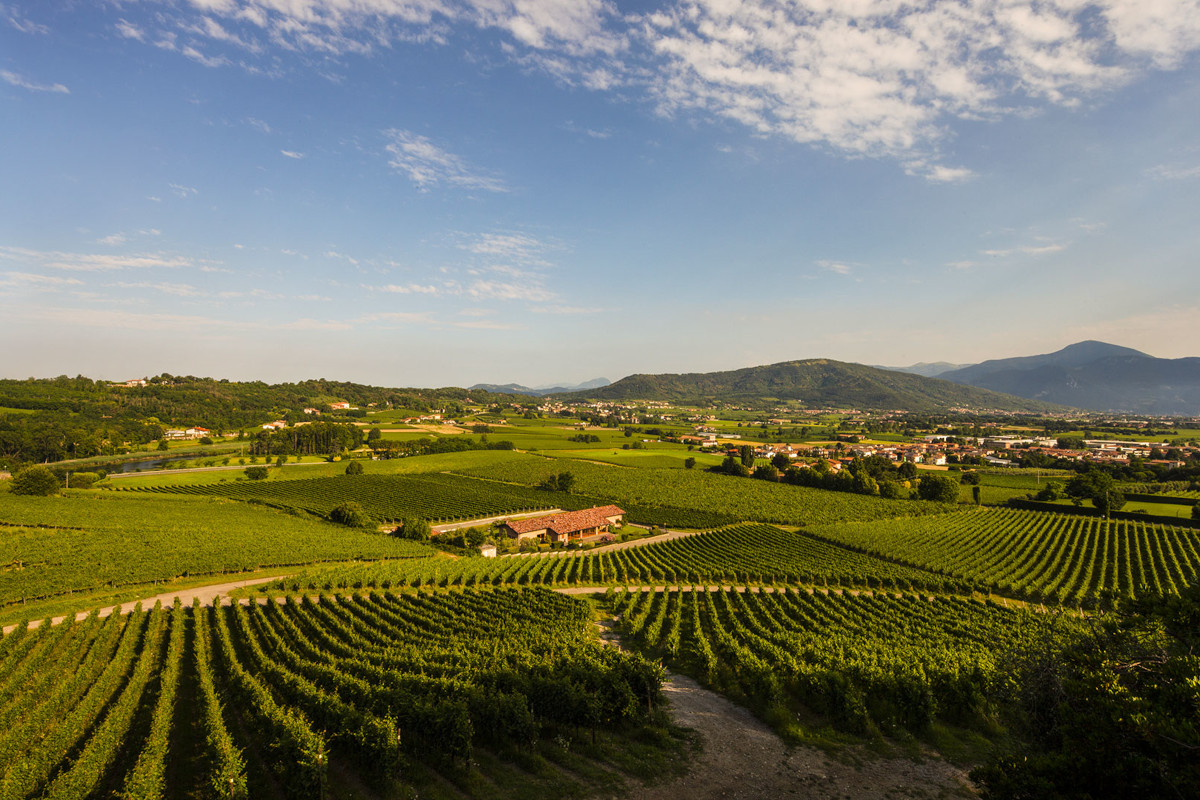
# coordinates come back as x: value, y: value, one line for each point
x: 818, y: 383
x: 1096, y: 376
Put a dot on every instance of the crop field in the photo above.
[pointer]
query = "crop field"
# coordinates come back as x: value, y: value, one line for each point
x: 747, y: 554
x: 644, y: 459
x: 84, y: 540
x: 737, y: 498
x: 867, y: 662
x: 1053, y: 557
x: 503, y: 694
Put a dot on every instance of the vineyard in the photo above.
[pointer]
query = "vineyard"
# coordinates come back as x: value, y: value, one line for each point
x: 441, y: 497
x: 1052, y: 557
x: 747, y: 554
x: 478, y: 694
x: 733, y: 498
x: 868, y: 663
x: 53, y: 545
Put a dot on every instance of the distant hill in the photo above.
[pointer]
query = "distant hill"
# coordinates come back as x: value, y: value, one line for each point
x: 925, y: 368
x: 1096, y: 376
x: 819, y: 383
x: 539, y: 391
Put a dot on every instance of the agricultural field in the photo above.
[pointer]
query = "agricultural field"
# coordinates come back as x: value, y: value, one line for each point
x: 1053, y: 557
x: 869, y: 663
x: 746, y: 554
x: 503, y: 694
x: 737, y: 498
x: 90, y: 539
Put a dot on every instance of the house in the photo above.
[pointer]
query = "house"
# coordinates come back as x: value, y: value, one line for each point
x: 312, y: 411
x: 278, y: 424
x: 487, y: 550
x: 570, y: 526
x: 198, y: 433
x: 340, y: 406
x: 175, y: 434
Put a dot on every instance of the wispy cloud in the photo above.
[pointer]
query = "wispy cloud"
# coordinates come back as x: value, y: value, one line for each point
x: 428, y: 165
x: 180, y: 190
x: 410, y: 288
x: 1165, y: 172
x: 113, y: 239
x: 292, y: 154
x: 92, y: 262
x: 25, y: 83
x: 22, y: 23
x: 836, y: 267
x: 30, y: 280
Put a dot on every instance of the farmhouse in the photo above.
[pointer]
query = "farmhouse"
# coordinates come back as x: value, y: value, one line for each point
x: 570, y: 526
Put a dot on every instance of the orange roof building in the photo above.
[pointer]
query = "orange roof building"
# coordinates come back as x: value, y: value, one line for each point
x: 565, y: 527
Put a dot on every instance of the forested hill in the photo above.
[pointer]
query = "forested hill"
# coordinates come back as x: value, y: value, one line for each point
x: 818, y: 383
x: 56, y: 418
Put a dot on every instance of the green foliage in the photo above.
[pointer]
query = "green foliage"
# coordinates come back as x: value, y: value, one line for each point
x: 971, y: 478
x: 1114, y: 713
x: 766, y: 472
x: 350, y: 513
x: 257, y: 473
x: 560, y: 482
x: 84, y: 480
x: 689, y: 463
x: 1053, y: 490
x: 938, y: 489
x: 1033, y: 554
x: 37, y: 480
x: 162, y: 445
x: 116, y: 539
x: 416, y: 530
x: 354, y: 468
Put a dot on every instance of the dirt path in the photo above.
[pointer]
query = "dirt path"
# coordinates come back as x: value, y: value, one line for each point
x: 608, y: 548
x: 207, y: 595
x: 743, y: 759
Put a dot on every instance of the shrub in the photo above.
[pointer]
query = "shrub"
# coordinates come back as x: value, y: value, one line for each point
x: 83, y: 480
x: 938, y: 488
x: 350, y: 513
x: 256, y: 473
x: 354, y: 468
x: 418, y: 530
x: 36, y: 480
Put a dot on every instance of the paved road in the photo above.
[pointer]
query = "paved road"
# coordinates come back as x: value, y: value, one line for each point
x: 662, y: 537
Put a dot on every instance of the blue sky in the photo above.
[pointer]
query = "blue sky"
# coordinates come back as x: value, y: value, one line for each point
x: 444, y: 192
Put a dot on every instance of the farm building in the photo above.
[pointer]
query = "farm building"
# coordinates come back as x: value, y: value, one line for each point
x: 571, y: 526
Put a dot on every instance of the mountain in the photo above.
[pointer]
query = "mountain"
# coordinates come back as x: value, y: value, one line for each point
x: 818, y: 383
x: 539, y: 391
x: 1096, y: 376
x: 925, y: 368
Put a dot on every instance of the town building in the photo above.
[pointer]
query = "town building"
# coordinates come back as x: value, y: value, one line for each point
x: 569, y: 526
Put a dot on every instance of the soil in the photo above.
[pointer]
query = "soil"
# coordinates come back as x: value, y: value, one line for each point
x: 742, y: 759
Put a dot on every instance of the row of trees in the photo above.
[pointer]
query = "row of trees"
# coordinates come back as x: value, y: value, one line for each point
x: 872, y: 476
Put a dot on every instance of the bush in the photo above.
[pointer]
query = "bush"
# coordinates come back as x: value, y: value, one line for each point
x: 938, y: 488
x: 354, y: 468
x: 83, y: 480
x: 418, y: 530
x: 257, y: 473
x: 36, y: 480
x: 350, y: 513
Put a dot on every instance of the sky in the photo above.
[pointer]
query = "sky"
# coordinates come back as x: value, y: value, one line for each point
x: 446, y: 192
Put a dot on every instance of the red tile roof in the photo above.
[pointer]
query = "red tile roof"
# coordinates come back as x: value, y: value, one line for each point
x: 570, y: 522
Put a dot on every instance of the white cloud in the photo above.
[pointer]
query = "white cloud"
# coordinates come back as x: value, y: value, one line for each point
x: 411, y: 288
x: 130, y: 31
x: 427, y: 165
x: 292, y: 154
x: 113, y: 239
x: 92, y: 262
x: 22, y: 23
x: 1167, y: 172
x: 864, y: 78
x: 173, y: 289
x: 837, y: 267
x: 258, y: 124
x: 30, y: 280
x: 33, y: 86
x: 500, y: 290
x: 183, y: 191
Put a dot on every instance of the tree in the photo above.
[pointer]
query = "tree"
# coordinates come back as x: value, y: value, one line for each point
x: 1111, y: 713
x: 891, y: 490
x: 374, y: 435
x: 350, y: 513
x: 1053, y: 490
x: 37, y: 481
x: 766, y: 472
x: 256, y: 473
x: 977, y: 495
x: 162, y: 444
x: 1196, y: 510
x: 562, y: 482
x: 279, y: 462
x: 354, y: 468
x: 938, y: 488
x: 689, y: 463
x: 970, y: 478
x: 746, y: 452
x: 418, y: 530
x: 907, y: 470
x: 780, y: 461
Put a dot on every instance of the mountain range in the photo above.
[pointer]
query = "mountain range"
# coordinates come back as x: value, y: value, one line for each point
x: 818, y: 383
x: 1093, y: 375
x: 539, y: 391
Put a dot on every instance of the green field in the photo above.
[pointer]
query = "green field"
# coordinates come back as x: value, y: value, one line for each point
x: 89, y: 539
x: 480, y: 695
x: 747, y: 554
x: 865, y: 662
x: 1052, y: 557
x: 737, y: 498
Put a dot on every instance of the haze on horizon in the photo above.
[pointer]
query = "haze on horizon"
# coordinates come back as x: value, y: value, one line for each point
x: 447, y: 192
